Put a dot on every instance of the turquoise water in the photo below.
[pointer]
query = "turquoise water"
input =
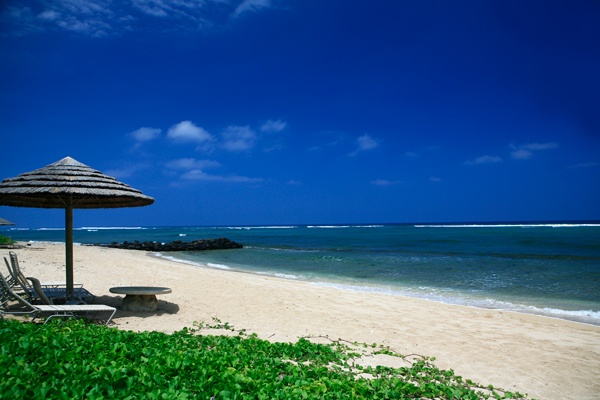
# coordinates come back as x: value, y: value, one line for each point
x: 546, y: 269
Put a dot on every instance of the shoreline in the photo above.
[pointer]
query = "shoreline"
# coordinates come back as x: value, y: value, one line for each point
x: 563, y: 314
x: 466, y: 300
x: 547, y: 358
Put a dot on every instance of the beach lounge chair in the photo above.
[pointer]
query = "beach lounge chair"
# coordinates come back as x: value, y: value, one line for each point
x: 10, y: 279
x: 20, y: 306
x: 52, y: 290
x: 15, y: 265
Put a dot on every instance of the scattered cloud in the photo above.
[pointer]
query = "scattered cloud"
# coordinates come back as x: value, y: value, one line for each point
x: 89, y: 17
x: 364, y: 143
x: 234, y: 138
x: 484, y: 160
x: 101, y: 18
x: 385, y: 182
x: 199, y: 175
x: 293, y: 182
x: 411, y: 154
x: 435, y: 179
x: 187, y: 131
x: 521, y: 154
x: 145, y: 134
x: 166, y: 8
x: 273, y: 126
x: 192, y: 163
x: 584, y: 165
x: 126, y: 171
x: 251, y: 6
x: 195, y: 170
x: 238, y: 138
x: 525, y: 151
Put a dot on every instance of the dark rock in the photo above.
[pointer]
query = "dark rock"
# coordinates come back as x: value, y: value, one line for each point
x: 177, y: 245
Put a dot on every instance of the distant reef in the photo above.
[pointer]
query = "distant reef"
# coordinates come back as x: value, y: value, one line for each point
x: 177, y: 245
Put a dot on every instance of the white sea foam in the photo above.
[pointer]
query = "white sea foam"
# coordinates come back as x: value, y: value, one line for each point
x: 179, y: 260
x: 328, y: 226
x: 218, y: 266
x: 449, y: 296
x: 44, y: 241
x: 280, y: 275
x: 197, y: 264
x: 110, y: 228
x: 509, y: 226
x: 247, y: 228
x: 342, y: 226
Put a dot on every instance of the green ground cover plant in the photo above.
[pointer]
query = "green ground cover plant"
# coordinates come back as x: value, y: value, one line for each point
x: 6, y: 240
x: 80, y: 360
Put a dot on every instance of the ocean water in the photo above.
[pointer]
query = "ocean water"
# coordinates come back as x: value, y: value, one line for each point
x: 545, y: 269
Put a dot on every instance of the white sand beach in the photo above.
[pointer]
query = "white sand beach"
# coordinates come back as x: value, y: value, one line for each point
x: 543, y: 357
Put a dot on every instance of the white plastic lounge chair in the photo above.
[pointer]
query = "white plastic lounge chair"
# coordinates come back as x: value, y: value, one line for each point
x: 50, y: 311
x: 54, y: 290
x: 10, y: 279
x: 14, y: 260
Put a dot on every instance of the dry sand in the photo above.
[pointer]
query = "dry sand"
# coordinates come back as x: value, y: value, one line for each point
x: 546, y: 358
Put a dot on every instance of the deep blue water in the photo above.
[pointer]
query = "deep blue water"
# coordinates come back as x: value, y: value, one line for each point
x: 547, y: 269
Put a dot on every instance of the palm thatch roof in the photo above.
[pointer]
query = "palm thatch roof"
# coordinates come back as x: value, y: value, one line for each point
x: 52, y: 185
x: 5, y: 222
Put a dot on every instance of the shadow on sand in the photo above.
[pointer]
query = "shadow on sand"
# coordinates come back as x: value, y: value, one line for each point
x: 164, y: 307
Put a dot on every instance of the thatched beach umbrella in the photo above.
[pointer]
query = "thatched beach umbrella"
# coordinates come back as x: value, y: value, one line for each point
x: 69, y: 184
x: 5, y: 222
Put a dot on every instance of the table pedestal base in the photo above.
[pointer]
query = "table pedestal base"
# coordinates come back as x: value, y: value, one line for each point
x: 140, y: 302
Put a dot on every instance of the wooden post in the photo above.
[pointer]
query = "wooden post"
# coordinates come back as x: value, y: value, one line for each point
x: 69, y: 245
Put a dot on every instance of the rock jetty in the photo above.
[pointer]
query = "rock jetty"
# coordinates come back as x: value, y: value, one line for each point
x: 177, y: 245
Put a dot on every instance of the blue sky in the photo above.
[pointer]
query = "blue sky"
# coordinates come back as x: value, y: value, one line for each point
x: 243, y: 112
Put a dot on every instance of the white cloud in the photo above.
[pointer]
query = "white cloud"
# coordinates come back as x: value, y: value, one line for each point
x: 238, y: 138
x: 49, y: 15
x: 540, y: 146
x: 126, y: 171
x: 186, y: 131
x: 435, y: 179
x: 525, y: 151
x: 584, y: 165
x: 251, y: 6
x: 91, y: 18
x: 385, y: 182
x: 145, y: 134
x: 199, y: 175
x: 272, y: 126
x: 521, y: 154
x: 195, y: 171
x: 192, y: 163
x: 169, y: 8
x: 484, y: 160
x: 155, y: 8
x: 101, y: 18
x: 364, y: 143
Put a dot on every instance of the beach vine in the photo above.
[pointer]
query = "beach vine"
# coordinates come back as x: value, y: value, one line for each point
x: 6, y: 240
x: 75, y: 359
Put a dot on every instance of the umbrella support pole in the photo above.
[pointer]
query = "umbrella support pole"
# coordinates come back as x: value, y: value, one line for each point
x: 69, y: 246
x: 69, y: 184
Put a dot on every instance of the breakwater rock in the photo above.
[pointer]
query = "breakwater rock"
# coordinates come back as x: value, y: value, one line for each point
x: 178, y: 245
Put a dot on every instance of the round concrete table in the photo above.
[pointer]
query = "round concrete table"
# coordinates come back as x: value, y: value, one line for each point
x: 140, y: 298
